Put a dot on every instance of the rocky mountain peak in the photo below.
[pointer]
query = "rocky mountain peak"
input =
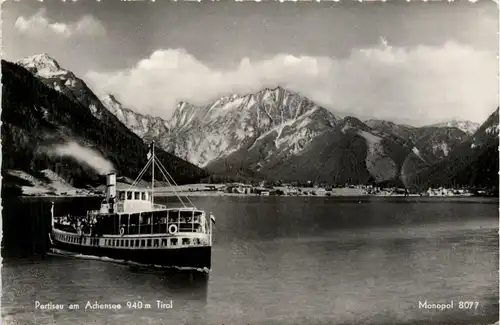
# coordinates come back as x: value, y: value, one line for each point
x: 43, y: 65
x: 42, y: 60
x: 202, y: 134
x: 145, y: 126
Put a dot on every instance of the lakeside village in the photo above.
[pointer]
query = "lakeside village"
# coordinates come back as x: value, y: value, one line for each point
x: 60, y: 188
x: 289, y: 190
x: 261, y: 189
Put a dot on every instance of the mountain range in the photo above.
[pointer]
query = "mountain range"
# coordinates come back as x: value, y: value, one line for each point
x: 52, y: 121
x: 274, y: 134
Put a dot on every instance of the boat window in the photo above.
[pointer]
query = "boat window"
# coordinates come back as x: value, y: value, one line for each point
x: 159, y: 222
x: 158, y: 216
x: 149, y: 242
x: 129, y: 195
x: 173, y: 241
x: 126, y: 243
x: 137, y: 243
x: 198, y: 241
x: 146, y: 217
x: 107, y: 224
x: 115, y: 220
x: 143, y: 194
x: 137, y: 195
x: 186, y: 215
x: 132, y: 243
x: 163, y: 242
x: 143, y: 243
x: 156, y: 243
x: 134, y: 223
x: 121, y: 195
x: 185, y: 241
x: 172, y: 215
x: 121, y: 243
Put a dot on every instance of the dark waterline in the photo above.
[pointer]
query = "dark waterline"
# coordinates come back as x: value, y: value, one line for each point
x: 281, y: 260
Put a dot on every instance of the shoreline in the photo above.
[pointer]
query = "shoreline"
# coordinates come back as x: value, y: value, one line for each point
x: 219, y: 194
x: 217, y: 190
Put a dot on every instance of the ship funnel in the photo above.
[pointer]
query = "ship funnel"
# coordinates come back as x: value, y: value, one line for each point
x: 110, y: 186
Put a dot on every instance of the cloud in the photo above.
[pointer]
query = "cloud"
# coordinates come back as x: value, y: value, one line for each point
x: 39, y: 25
x: 423, y: 84
x: 82, y: 154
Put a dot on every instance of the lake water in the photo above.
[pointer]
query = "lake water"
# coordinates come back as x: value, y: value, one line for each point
x: 289, y: 260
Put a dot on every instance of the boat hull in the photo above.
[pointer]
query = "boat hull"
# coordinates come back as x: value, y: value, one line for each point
x: 186, y: 257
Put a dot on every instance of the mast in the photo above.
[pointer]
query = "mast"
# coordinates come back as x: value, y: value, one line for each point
x: 153, y: 171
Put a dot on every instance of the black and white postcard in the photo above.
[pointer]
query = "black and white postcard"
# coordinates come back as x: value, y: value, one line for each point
x: 250, y: 162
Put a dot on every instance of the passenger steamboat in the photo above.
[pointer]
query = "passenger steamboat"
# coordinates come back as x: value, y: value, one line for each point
x: 134, y: 228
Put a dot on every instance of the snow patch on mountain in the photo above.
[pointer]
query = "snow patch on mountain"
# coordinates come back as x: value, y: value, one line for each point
x: 44, y: 64
x: 487, y: 132
x: 465, y: 126
x: 417, y: 153
x: 46, y: 67
x: 492, y: 130
x: 442, y: 147
x: 93, y: 109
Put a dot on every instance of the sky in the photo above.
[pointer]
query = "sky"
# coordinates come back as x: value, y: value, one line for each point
x: 409, y: 62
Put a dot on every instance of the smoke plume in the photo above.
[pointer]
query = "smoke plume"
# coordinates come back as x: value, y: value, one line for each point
x: 82, y: 154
